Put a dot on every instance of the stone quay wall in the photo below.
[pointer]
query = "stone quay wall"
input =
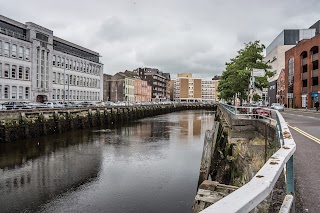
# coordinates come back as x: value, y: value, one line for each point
x: 22, y: 124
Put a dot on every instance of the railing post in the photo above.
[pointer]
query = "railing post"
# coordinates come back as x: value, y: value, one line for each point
x: 290, y: 180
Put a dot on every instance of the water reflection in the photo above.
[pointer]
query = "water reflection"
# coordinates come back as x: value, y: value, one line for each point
x: 151, y: 165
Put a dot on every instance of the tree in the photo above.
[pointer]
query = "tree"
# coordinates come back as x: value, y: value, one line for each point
x: 235, y: 79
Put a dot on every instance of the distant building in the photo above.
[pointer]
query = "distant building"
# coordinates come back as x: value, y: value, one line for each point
x: 157, y: 80
x: 37, y: 66
x: 207, y: 90
x: 275, y: 55
x: 168, y: 85
x: 172, y: 90
x: 126, y: 86
x: 185, y: 75
x: 216, y: 80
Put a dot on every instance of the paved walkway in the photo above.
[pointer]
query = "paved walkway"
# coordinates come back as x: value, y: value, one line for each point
x: 305, y: 126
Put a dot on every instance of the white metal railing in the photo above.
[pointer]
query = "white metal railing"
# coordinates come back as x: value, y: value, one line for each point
x: 250, y: 195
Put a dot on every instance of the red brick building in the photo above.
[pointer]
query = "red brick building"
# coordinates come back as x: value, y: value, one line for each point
x: 302, y: 73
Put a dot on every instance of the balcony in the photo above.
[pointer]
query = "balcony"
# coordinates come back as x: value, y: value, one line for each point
x: 314, y: 73
x: 304, y: 75
x: 304, y: 90
x: 314, y: 88
x: 315, y: 57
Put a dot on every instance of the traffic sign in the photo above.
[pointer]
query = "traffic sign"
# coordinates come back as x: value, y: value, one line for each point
x: 258, y: 72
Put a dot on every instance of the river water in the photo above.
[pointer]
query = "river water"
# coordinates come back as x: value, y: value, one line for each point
x: 150, y: 165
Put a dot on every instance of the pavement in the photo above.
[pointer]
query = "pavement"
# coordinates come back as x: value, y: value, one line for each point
x: 304, y: 126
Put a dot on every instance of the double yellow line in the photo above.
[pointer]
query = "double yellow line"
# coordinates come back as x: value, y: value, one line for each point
x: 311, y: 137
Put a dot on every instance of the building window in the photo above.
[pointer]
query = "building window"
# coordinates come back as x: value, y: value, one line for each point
x: 20, y: 73
x: 291, y: 74
x: 27, y: 54
x: 58, y: 62
x: 20, y: 92
x: 0, y: 71
x: 62, y: 62
x: 6, y: 49
x: 0, y: 47
x: 21, y: 52
x: 6, y: 92
x: 54, y: 60
x: 53, y: 94
x: 27, y: 92
x: 14, y: 92
x: 6, y: 70
x: 14, y: 72
x: 54, y: 77
x: 58, y: 94
x: 14, y: 51
x: 27, y: 73
x: 67, y: 64
x: 0, y: 91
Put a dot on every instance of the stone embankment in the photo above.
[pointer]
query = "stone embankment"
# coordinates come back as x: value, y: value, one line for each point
x: 234, y: 151
x: 33, y: 123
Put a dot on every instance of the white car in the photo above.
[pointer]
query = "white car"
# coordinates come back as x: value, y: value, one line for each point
x: 277, y: 106
x: 53, y: 105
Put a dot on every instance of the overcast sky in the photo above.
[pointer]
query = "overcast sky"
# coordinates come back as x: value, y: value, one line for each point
x: 176, y: 36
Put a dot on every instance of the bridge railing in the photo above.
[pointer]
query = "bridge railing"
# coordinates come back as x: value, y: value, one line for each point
x: 250, y: 195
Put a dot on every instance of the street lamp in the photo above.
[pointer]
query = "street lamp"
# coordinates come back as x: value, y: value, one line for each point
x: 64, y: 83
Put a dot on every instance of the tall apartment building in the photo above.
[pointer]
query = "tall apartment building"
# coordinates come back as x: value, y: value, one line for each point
x: 187, y: 89
x: 157, y: 80
x: 37, y: 66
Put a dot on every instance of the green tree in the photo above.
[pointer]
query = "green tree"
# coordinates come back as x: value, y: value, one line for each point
x: 235, y: 79
x: 256, y: 97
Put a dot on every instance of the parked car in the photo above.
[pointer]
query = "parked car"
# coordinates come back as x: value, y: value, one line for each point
x: 262, y: 112
x: 245, y: 108
x: 277, y: 106
x: 32, y: 105
x: 53, y: 104
x: 15, y: 105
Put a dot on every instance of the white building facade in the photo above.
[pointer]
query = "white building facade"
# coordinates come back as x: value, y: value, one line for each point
x: 208, y: 90
x: 36, y: 66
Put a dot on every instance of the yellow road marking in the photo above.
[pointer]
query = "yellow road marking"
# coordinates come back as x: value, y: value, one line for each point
x: 311, y: 137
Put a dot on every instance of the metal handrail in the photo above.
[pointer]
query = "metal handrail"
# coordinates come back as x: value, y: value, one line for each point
x: 260, y: 186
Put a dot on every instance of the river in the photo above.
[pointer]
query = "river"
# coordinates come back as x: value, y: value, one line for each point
x: 150, y: 165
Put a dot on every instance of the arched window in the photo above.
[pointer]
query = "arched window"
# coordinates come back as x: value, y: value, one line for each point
x: 290, y: 75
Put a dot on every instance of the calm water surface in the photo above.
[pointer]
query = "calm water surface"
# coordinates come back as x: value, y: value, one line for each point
x: 151, y: 165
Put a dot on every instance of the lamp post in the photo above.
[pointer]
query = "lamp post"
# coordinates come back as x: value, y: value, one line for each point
x: 64, y: 83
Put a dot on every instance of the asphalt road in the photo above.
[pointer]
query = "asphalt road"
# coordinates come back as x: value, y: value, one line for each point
x: 305, y: 129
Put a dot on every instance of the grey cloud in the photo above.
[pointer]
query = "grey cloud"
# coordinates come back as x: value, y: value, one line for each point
x: 173, y: 35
